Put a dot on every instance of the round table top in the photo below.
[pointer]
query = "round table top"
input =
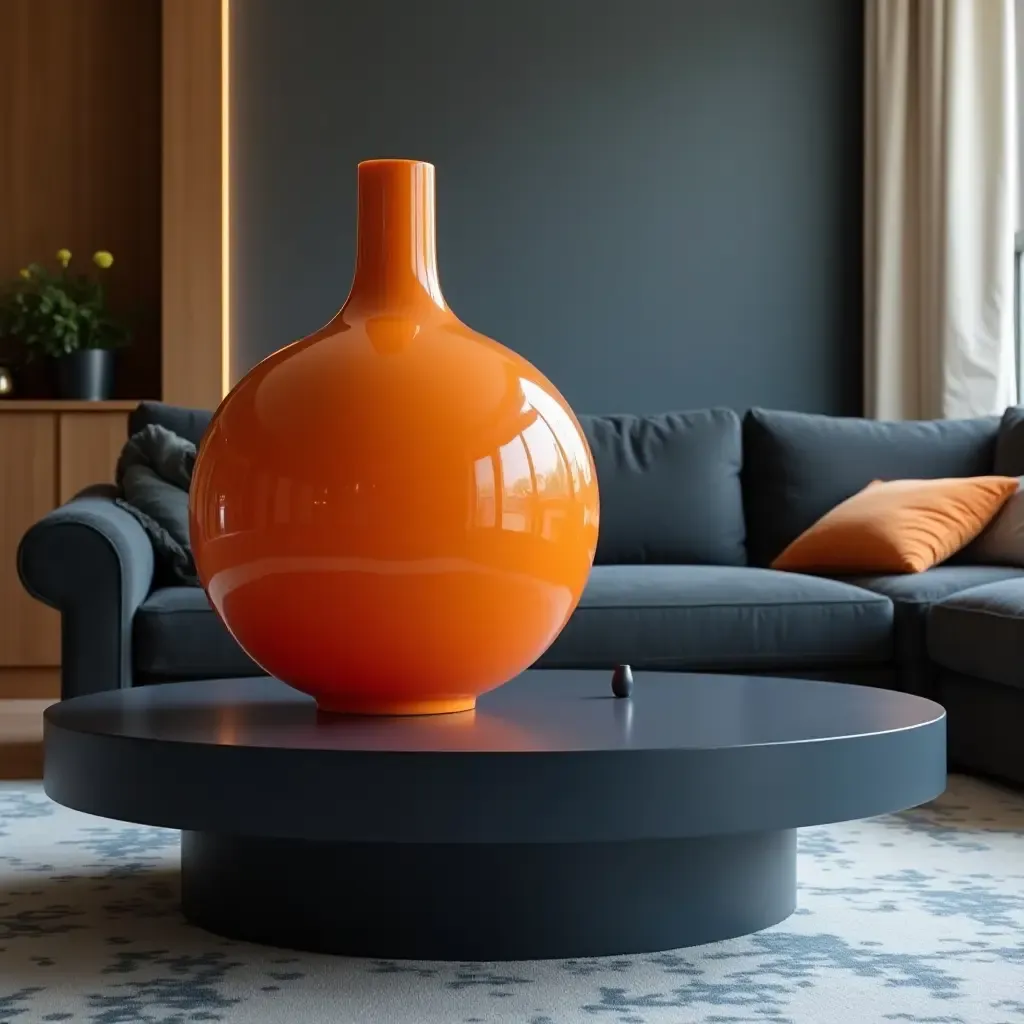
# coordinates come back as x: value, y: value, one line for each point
x: 551, y: 756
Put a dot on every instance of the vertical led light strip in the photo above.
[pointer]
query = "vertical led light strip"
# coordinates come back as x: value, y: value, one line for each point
x: 225, y: 195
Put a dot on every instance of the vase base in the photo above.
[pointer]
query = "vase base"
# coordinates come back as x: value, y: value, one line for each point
x: 396, y: 708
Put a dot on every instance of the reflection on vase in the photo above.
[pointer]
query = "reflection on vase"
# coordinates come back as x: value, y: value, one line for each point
x: 529, y: 483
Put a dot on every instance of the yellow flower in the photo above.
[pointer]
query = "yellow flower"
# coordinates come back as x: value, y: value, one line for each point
x: 25, y: 273
x: 103, y: 259
x: 64, y: 257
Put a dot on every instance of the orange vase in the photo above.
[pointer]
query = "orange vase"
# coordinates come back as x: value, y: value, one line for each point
x: 395, y: 514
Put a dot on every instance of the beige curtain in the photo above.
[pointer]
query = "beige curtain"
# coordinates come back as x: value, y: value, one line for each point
x: 940, y: 207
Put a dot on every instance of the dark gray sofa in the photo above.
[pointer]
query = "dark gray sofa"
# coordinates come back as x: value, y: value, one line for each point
x: 694, y: 506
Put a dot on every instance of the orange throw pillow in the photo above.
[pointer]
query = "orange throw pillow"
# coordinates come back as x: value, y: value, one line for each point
x: 899, y: 526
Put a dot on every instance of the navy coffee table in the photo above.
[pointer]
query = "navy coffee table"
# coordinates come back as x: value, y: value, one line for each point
x: 554, y: 821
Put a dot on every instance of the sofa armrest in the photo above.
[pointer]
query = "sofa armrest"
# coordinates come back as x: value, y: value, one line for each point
x: 93, y: 562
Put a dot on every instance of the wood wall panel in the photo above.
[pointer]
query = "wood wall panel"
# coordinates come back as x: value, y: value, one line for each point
x: 196, y: 275
x: 80, y: 101
x: 88, y: 446
x: 49, y: 451
x: 29, y: 631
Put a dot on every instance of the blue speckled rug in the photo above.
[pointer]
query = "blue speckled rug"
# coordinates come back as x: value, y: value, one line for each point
x: 916, y: 917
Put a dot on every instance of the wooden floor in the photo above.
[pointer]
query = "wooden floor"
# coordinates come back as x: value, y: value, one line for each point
x: 21, y: 738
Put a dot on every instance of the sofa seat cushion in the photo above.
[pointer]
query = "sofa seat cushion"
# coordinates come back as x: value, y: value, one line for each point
x: 912, y: 595
x: 178, y: 635
x: 722, y: 618
x: 980, y: 633
x: 918, y: 590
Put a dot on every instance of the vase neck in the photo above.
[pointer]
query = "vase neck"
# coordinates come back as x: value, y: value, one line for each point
x: 396, y: 246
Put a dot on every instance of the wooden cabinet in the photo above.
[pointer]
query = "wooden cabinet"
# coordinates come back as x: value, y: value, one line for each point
x: 28, y: 490
x: 48, y: 452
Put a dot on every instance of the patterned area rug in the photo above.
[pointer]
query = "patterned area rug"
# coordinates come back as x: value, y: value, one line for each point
x: 915, y: 917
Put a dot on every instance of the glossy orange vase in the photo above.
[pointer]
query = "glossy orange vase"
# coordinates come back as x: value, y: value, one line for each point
x: 395, y: 514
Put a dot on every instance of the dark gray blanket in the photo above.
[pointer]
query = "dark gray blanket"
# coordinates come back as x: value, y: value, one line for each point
x: 154, y: 473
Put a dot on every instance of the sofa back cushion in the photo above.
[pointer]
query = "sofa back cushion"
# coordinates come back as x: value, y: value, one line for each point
x: 670, y: 488
x: 188, y: 423
x: 796, y: 466
x: 1010, y: 443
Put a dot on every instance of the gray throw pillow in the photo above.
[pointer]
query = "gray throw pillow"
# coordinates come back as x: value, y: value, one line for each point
x: 1002, y: 541
x: 154, y: 473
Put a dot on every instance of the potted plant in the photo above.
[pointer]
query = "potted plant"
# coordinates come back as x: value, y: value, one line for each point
x: 62, y: 316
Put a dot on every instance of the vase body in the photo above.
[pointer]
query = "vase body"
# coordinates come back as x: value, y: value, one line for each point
x: 394, y: 514
x: 86, y: 375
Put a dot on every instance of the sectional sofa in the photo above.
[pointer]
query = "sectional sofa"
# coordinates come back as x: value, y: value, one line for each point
x: 694, y: 507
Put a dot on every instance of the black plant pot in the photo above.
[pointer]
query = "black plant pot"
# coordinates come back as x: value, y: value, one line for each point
x: 86, y: 375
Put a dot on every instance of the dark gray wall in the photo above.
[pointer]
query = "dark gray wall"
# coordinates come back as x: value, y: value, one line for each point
x: 656, y: 201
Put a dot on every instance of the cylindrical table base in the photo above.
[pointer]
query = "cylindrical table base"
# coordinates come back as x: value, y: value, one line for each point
x: 487, y: 902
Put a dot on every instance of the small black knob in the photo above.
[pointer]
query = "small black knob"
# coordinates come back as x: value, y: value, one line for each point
x: 622, y: 681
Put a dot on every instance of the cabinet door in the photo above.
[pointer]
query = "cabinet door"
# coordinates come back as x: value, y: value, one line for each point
x: 29, y: 631
x: 90, y: 443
